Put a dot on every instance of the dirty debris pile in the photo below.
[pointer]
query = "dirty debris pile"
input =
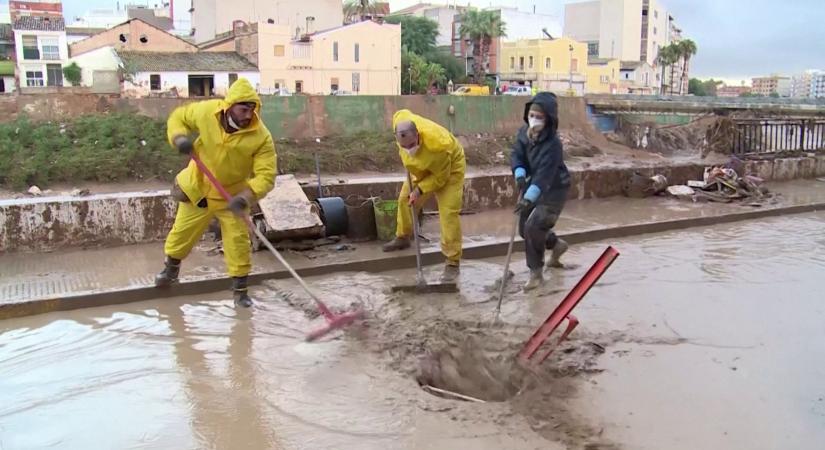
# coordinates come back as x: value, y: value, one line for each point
x: 723, y: 184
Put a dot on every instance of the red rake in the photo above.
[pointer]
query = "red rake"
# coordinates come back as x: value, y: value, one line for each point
x: 565, y: 308
x: 333, y: 321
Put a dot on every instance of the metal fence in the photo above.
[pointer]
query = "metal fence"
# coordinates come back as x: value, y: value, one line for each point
x: 776, y: 135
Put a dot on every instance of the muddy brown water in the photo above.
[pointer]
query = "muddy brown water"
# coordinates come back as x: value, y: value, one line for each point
x: 704, y: 338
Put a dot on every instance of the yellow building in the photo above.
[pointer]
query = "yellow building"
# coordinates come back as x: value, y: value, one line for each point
x: 363, y: 58
x: 603, y: 76
x: 557, y: 65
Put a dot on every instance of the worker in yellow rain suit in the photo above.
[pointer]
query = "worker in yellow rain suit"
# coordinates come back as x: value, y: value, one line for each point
x: 435, y: 160
x: 237, y: 148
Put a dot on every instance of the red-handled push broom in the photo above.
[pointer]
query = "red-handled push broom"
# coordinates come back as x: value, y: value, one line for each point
x: 334, y: 321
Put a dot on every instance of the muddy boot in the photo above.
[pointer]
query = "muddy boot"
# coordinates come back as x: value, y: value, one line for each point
x: 450, y: 274
x: 555, y: 257
x: 169, y: 274
x: 536, y: 280
x: 399, y: 243
x: 240, y: 292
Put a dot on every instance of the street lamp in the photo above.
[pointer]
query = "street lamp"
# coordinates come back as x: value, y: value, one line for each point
x: 409, y: 71
x: 570, y: 86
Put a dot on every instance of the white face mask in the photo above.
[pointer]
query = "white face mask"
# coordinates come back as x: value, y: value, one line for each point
x: 413, y: 151
x: 231, y: 122
x: 535, y: 123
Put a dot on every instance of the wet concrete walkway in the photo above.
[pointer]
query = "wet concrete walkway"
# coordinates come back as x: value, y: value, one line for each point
x: 33, y: 277
x: 709, y: 338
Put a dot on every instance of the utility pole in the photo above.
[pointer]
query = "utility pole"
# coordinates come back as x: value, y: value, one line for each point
x: 570, y: 86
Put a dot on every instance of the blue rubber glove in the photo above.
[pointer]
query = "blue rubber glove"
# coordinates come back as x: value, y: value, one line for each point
x: 521, y: 178
x: 528, y: 199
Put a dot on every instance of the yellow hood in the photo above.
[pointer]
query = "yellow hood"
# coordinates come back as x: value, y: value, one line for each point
x: 242, y: 91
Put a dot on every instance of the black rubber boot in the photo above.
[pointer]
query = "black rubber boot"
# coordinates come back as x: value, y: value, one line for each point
x: 240, y: 292
x: 169, y: 274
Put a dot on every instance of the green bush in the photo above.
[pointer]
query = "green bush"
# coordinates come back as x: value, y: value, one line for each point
x: 90, y: 148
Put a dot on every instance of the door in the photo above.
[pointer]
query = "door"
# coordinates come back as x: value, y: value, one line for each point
x: 54, y: 75
x: 299, y: 87
x: 2, y: 84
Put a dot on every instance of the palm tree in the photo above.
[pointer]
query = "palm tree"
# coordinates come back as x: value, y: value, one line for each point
x: 358, y: 10
x: 481, y: 27
x: 668, y: 56
x: 687, y: 49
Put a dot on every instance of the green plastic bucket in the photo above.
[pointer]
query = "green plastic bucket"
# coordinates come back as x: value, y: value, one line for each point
x: 386, y: 213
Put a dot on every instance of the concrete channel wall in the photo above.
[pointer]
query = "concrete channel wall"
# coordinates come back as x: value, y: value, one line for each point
x: 47, y: 224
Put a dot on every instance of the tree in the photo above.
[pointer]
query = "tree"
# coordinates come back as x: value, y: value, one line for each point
x: 420, y: 72
x: 418, y: 34
x: 667, y: 57
x: 695, y: 87
x: 73, y: 74
x: 481, y: 27
x: 360, y: 10
x: 453, y: 67
x: 687, y: 49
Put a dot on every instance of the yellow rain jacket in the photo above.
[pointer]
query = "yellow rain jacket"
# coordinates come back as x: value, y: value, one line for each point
x: 436, y: 169
x: 240, y: 160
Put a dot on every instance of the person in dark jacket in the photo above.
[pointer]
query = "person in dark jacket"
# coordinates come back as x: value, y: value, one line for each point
x: 537, y: 161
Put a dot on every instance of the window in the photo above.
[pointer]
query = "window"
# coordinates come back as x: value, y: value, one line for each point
x: 357, y: 53
x: 512, y: 62
x: 299, y: 87
x: 51, y: 48
x: 30, y: 50
x: 233, y: 77
x: 335, y: 51
x: 279, y: 50
x: 34, y: 78
x: 574, y: 65
x: 593, y: 49
x: 456, y: 48
x: 54, y: 75
x: 356, y: 82
x: 548, y: 63
x: 531, y: 62
x: 655, y: 14
x: 655, y: 30
x: 154, y: 82
x: 604, y: 79
x: 301, y: 51
x: 333, y: 84
x: 521, y: 63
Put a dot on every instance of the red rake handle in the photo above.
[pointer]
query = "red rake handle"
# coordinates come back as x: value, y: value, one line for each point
x: 328, y: 315
x: 566, y: 306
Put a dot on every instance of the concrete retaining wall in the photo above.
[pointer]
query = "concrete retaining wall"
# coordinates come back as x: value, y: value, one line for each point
x: 46, y: 224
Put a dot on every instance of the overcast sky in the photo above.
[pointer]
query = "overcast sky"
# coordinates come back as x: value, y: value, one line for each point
x: 737, y: 39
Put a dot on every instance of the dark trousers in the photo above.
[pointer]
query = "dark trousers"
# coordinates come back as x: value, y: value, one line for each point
x: 536, y: 227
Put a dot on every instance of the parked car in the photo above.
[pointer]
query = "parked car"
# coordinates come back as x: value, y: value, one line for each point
x: 519, y: 90
x: 472, y: 89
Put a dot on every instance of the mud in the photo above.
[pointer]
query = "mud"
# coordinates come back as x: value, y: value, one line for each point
x: 705, y: 338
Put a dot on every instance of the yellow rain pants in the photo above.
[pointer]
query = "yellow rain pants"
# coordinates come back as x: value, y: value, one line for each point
x: 241, y: 161
x: 190, y: 223
x: 437, y: 168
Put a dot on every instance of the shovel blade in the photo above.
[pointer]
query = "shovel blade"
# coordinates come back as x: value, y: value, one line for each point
x: 441, y: 288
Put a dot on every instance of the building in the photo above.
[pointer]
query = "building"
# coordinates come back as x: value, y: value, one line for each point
x: 732, y: 91
x: 40, y: 44
x: 183, y: 74
x: 76, y: 34
x: 518, y: 26
x: 772, y: 86
x: 801, y: 84
x: 444, y: 15
x: 638, y: 78
x: 629, y: 30
x: 361, y: 58
x: 6, y: 42
x: 161, y: 18
x: 7, y: 84
x: 213, y: 17
x: 99, y: 70
x: 99, y: 18
x: 818, y: 85
x: 556, y: 65
x: 602, y: 76
x: 133, y: 35
x: 35, y: 8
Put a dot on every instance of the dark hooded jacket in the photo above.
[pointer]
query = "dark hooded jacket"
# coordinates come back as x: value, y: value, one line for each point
x: 543, y: 159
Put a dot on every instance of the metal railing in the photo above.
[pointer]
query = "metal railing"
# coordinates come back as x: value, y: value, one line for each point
x: 777, y: 135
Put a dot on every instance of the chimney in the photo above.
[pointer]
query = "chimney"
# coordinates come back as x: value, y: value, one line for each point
x: 310, y: 22
x: 172, y: 12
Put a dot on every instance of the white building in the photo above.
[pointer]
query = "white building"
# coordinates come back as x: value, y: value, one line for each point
x: 444, y: 15
x: 818, y: 85
x: 802, y: 84
x: 99, y: 70
x: 100, y: 18
x: 629, y: 30
x: 213, y: 17
x: 184, y: 74
x: 40, y: 44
